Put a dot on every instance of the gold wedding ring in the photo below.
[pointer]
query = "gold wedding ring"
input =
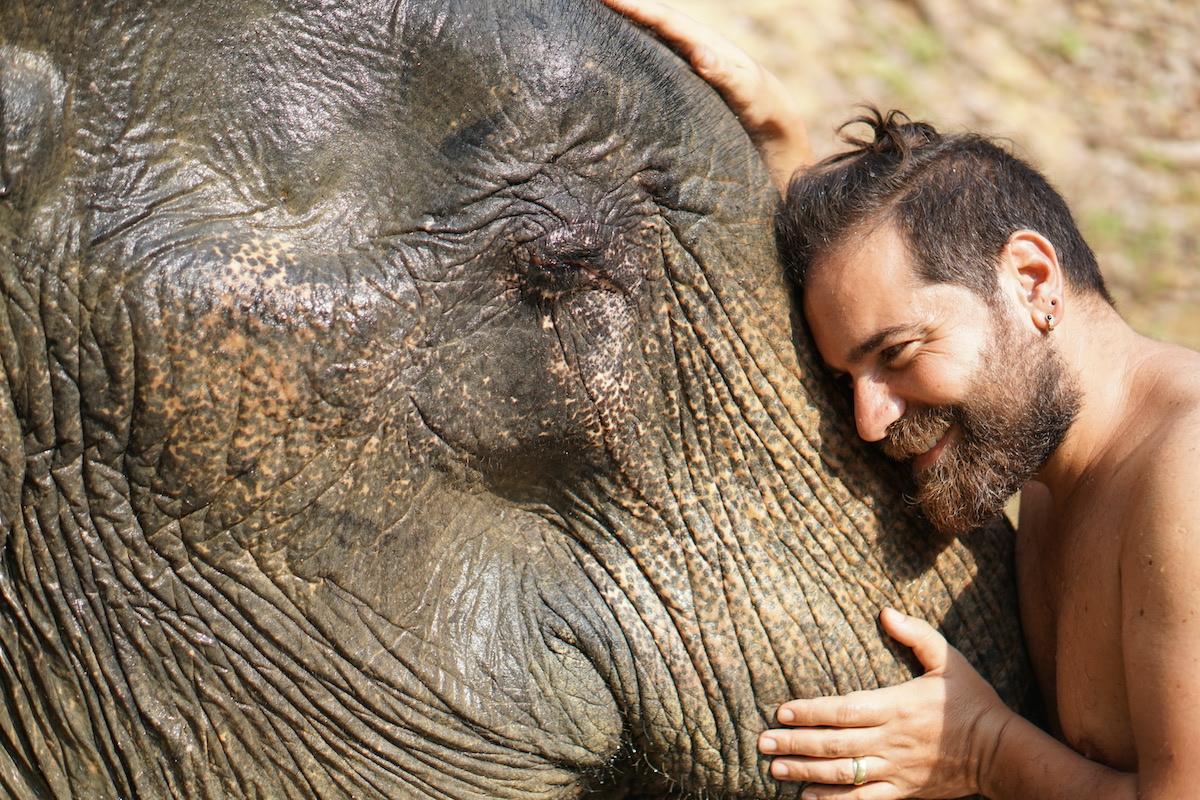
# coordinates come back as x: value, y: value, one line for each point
x: 860, y: 770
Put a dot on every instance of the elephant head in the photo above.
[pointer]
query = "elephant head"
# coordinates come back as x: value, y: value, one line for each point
x: 404, y: 400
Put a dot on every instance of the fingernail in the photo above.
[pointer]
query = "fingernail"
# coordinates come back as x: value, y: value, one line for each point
x: 780, y: 769
x: 767, y: 744
x: 786, y: 715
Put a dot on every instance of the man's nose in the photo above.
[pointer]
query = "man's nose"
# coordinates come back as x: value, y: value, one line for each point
x: 876, y: 407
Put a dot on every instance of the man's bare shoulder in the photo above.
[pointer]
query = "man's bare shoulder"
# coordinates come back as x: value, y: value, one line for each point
x: 1166, y: 403
x: 1171, y: 378
x: 1161, y: 468
x: 1167, y: 470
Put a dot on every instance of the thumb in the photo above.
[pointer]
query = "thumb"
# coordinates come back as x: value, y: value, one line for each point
x: 929, y: 646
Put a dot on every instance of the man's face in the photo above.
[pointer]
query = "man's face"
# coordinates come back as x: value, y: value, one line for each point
x: 975, y: 400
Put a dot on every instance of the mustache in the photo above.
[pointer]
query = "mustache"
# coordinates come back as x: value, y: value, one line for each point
x: 918, y: 431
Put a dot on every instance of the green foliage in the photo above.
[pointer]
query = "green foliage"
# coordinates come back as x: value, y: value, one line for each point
x: 1067, y: 42
x: 925, y: 45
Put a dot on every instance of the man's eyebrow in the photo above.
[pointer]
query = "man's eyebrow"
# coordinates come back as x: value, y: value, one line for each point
x: 863, y: 350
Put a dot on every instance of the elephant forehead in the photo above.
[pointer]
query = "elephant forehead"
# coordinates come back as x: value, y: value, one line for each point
x: 345, y: 127
x: 302, y: 104
x: 391, y: 201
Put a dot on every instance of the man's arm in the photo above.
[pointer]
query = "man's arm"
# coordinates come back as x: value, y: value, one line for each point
x: 1160, y: 586
x: 1027, y: 762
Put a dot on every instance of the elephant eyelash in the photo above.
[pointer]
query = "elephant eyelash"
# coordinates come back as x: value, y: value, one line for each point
x: 556, y: 277
x: 556, y: 266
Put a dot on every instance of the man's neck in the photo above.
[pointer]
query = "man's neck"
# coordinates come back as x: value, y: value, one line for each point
x: 1103, y: 353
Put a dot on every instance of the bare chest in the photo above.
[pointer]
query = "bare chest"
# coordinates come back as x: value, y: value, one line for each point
x: 1071, y: 612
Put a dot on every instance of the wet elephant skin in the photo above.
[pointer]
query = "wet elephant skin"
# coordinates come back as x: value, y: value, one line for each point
x: 402, y: 399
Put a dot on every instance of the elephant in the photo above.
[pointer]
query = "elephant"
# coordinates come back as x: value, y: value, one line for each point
x: 405, y: 399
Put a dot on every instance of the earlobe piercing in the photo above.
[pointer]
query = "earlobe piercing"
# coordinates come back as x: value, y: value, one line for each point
x: 1050, y: 322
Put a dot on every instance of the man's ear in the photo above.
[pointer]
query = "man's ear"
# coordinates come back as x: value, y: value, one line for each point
x: 1030, y: 263
x: 31, y: 118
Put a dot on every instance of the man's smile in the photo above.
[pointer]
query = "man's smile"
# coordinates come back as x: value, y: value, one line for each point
x: 922, y: 461
x: 921, y: 434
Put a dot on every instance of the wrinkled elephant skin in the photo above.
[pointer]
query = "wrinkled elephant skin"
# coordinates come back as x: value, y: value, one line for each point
x: 402, y: 399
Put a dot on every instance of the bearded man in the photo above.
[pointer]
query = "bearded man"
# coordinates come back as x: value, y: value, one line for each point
x: 946, y: 280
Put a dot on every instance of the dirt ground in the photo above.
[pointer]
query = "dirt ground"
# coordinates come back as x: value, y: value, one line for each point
x: 1103, y: 96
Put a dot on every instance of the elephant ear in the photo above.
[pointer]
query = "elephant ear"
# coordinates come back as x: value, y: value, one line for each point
x: 31, y: 114
x: 31, y: 121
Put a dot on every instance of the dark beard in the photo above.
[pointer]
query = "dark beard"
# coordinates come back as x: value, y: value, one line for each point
x: 1018, y: 415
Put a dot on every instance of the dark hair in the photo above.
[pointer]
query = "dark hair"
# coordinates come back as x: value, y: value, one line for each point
x: 956, y: 200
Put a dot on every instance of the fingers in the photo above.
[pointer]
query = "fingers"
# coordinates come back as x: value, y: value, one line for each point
x: 761, y: 101
x: 672, y: 26
x: 855, y: 710
x: 819, y: 742
x: 879, y: 790
x: 715, y: 58
x: 833, y: 771
x: 929, y: 646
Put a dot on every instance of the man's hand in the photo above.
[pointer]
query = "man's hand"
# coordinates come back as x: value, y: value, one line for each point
x: 759, y: 99
x: 930, y: 737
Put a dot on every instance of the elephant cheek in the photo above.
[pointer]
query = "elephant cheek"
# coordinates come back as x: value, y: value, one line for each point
x: 559, y: 393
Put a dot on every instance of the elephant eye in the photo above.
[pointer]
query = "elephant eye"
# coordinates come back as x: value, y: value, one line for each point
x: 659, y: 184
x: 565, y: 261
x: 562, y: 271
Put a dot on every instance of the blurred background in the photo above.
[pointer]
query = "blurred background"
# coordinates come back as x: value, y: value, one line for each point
x: 1103, y: 97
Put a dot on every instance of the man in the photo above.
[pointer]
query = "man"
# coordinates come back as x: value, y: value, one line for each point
x: 946, y: 280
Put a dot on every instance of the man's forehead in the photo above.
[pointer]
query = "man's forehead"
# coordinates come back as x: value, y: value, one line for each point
x: 877, y: 251
x: 859, y: 289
